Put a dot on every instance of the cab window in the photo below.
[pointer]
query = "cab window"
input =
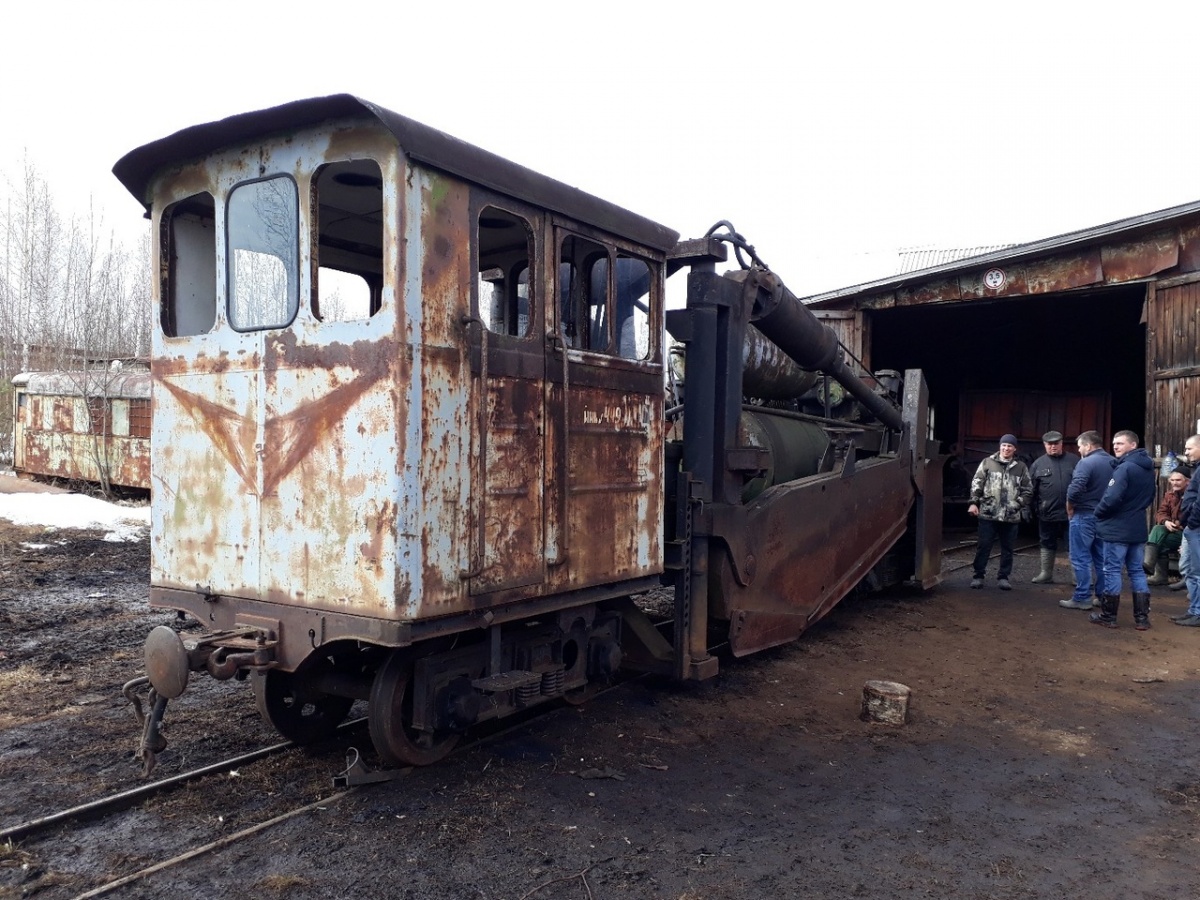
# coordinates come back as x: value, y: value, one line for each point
x: 348, y: 198
x: 505, y: 243
x: 604, y: 298
x: 262, y: 234
x: 189, y: 247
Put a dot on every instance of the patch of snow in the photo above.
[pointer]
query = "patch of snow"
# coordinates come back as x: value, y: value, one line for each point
x: 125, y: 523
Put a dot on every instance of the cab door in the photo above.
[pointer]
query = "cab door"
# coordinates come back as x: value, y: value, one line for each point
x: 508, y: 370
x: 606, y: 409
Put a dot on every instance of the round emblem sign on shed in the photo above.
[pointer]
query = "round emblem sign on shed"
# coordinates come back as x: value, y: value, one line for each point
x: 994, y: 279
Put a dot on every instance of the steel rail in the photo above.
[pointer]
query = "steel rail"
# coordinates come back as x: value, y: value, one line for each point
x: 227, y: 840
x: 126, y: 799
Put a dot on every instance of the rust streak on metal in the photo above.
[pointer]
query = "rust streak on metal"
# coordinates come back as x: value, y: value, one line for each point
x: 230, y: 432
x: 1061, y: 273
x: 1131, y: 260
x: 292, y: 436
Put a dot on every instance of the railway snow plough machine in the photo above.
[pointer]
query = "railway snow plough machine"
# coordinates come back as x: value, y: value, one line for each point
x: 415, y: 443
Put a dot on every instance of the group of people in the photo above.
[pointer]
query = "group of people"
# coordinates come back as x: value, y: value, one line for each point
x: 1096, y: 503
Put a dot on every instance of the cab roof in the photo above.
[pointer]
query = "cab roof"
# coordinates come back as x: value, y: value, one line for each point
x: 427, y: 145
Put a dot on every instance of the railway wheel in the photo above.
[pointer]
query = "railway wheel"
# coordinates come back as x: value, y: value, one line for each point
x: 390, y: 716
x: 297, y: 713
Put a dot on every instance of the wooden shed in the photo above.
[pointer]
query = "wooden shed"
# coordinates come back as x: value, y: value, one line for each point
x: 1096, y: 329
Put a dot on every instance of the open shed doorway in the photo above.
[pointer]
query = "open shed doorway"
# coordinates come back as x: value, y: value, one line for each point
x: 1091, y: 340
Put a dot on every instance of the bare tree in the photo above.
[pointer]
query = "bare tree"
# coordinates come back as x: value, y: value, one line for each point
x: 72, y: 299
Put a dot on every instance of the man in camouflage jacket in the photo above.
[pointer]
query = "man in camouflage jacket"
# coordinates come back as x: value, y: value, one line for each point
x: 1000, y: 494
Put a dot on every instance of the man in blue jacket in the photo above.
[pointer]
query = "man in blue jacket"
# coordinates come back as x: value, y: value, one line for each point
x: 1088, y: 481
x: 1121, y: 524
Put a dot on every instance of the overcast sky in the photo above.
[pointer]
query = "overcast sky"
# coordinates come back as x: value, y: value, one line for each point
x: 831, y: 135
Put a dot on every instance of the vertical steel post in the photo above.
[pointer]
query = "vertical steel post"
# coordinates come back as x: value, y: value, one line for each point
x: 712, y: 410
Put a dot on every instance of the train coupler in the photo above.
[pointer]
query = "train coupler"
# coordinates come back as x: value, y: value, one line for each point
x: 170, y: 657
x: 153, y: 742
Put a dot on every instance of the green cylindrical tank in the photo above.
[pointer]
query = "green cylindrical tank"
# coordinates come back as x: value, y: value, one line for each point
x: 795, y: 446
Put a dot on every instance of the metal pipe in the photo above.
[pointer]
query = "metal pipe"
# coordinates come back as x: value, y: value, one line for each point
x: 788, y: 323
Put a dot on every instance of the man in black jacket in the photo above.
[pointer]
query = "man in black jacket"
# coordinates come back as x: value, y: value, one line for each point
x: 1051, y: 474
x: 1121, y: 524
x: 1189, y: 515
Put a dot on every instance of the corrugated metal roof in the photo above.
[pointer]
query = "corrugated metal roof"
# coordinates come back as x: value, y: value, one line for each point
x: 1073, y: 239
x: 914, y: 259
x: 113, y: 383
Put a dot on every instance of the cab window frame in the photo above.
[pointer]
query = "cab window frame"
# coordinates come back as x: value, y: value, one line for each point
x: 293, y: 276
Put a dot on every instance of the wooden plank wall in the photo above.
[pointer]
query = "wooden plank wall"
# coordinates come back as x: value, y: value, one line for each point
x: 1173, y: 363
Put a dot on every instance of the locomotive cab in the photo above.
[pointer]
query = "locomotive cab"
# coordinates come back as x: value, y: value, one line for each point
x: 407, y: 422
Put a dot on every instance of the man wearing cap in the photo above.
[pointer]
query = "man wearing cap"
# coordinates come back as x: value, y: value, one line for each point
x: 1051, y: 474
x: 1088, y: 483
x: 1000, y: 490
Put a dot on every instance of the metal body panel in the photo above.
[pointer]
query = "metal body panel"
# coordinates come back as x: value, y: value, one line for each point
x: 614, y: 483
x: 251, y: 426
x: 804, y: 545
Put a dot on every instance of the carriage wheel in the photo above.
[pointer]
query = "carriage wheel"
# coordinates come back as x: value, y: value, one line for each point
x: 390, y: 713
x: 299, y: 714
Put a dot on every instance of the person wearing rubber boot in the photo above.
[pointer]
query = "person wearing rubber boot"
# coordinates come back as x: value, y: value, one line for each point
x: 1121, y: 524
x: 1189, y: 514
x: 1051, y: 474
x: 1167, y: 533
x: 1000, y: 491
x: 1088, y: 482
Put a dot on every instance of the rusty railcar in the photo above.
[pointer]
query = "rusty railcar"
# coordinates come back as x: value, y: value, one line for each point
x: 83, y: 426
x: 410, y: 441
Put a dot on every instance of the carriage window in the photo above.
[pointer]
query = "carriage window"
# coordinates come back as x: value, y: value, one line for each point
x: 189, y: 246
x: 505, y: 244
x: 139, y: 418
x: 583, y: 293
x: 349, y: 241
x: 633, y: 307
x: 263, y: 254
x: 597, y: 303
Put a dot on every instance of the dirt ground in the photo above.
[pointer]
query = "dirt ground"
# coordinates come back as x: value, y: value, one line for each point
x: 1044, y: 757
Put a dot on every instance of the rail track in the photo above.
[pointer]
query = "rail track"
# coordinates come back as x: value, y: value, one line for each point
x: 965, y: 550
x: 350, y: 779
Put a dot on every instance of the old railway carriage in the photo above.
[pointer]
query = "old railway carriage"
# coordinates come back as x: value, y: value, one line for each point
x: 410, y: 441
x: 406, y: 393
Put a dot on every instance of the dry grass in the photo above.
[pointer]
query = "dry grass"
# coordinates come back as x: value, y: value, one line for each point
x: 279, y: 884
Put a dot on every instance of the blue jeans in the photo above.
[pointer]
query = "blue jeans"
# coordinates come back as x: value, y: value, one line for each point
x: 989, y: 530
x: 1129, y: 557
x: 1087, y: 555
x: 1189, y: 565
